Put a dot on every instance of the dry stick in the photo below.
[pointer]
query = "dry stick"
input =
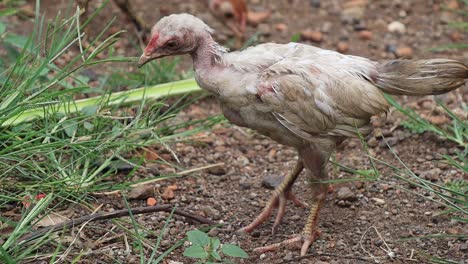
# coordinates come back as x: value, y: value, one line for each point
x: 389, y: 251
x: 326, y: 255
x: 115, y: 214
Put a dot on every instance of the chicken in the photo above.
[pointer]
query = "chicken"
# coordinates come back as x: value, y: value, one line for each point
x: 235, y: 15
x: 231, y: 12
x: 300, y: 96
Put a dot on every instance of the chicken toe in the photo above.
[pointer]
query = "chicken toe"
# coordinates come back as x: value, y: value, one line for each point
x: 278, y: 200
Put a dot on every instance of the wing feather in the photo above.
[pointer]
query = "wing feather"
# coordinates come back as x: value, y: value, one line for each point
x: 320, y: 97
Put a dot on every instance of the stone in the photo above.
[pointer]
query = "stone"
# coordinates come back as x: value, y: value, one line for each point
x: 315, y: 3
x: 168, y: 193
x: 456, y: 36
x: 365, y: 35
x: 345, y: 194
x: 378, y: 201
x: 141, y: 192
x: 281, y: 27
x: 218, y: 170
x: 264, y: 29
x: 209, y: 211
x: 404, y: 52
x: 342, y: 47
x: 315, y: 36
x: 272, y: 181
x: 432, y: 175
x: 352, y: 14
x: 326, y: 26
x: 396, y: 27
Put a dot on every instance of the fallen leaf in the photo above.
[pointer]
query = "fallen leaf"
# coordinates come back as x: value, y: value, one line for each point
x: 150, y: 154
x: 53, y: 218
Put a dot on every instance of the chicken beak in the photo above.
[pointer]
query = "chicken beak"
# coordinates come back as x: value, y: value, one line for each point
x: 143, y: 60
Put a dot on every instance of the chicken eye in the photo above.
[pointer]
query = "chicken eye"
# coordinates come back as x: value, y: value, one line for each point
x: 172, y: 44
x: 228, y: 15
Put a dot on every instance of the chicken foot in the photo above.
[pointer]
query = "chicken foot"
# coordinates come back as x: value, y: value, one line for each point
x: 309, y: 233
x: 281, y: 194
x: 315, y: 163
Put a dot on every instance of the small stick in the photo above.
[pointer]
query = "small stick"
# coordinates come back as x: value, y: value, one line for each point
x: 324, y: 254
x: 111, y: 215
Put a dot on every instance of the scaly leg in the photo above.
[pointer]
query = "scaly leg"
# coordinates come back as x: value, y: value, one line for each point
x: 310, y: 231
x: 281, y: 194
x: 314, y: 161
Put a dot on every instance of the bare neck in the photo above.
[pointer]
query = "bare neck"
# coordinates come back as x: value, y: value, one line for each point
x: 208, y: 54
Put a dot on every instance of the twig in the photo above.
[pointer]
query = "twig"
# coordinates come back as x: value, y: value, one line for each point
x: 111, y: 215
x: 389, y: 251
x: 363, y: 248
x: 326, y: 255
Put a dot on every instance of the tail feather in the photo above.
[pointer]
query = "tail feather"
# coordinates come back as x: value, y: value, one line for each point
x: 421, y: 77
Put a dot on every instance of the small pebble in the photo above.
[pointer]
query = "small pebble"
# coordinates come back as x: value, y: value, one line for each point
x: 404, y: 52
x: 345, y: 193
x: 365, y: 35
x: 315, y: 36
x: 272, y: 181
x: 281, y: 27
x: 315, y: 3
x: 342, y: 47
x: 396, y: 27
x: 456, y: 36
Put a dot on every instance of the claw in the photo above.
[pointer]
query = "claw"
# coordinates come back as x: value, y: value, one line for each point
x: 296, y: 201
x: 306, y: 240
x: 279, y: 214
x: 276, y: 201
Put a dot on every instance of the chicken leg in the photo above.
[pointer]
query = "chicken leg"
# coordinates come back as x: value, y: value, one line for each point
x: 315, y: 163
x: 281, y: 194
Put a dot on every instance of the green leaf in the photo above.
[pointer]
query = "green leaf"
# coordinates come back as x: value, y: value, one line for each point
x: 215, y: 243
x: 234, y: 251
x: 89, y: 126
x: 2, y: 28
x: 198, y: 237
x: 16, y: 40
x: 70, y: 128
x: 89, y: 110
x: 296, y: 37
x: 195, y: 251
x: 216, y: 255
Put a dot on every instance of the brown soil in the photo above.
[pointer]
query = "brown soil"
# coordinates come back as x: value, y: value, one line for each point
x: 234, y: 194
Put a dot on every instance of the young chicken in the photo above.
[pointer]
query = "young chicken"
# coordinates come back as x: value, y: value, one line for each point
x: 235, y: 15
x: 231, y: 12
x: 299, y: 95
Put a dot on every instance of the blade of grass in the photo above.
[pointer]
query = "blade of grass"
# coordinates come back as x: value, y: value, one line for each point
x: 118, y: 98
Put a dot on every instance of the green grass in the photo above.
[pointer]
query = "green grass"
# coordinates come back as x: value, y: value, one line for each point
x: 457, y: 131
x: 452, y: 195
x: 67, y: 148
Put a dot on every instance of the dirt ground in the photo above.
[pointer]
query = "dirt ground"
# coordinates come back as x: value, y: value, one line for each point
x: 361, y: 220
